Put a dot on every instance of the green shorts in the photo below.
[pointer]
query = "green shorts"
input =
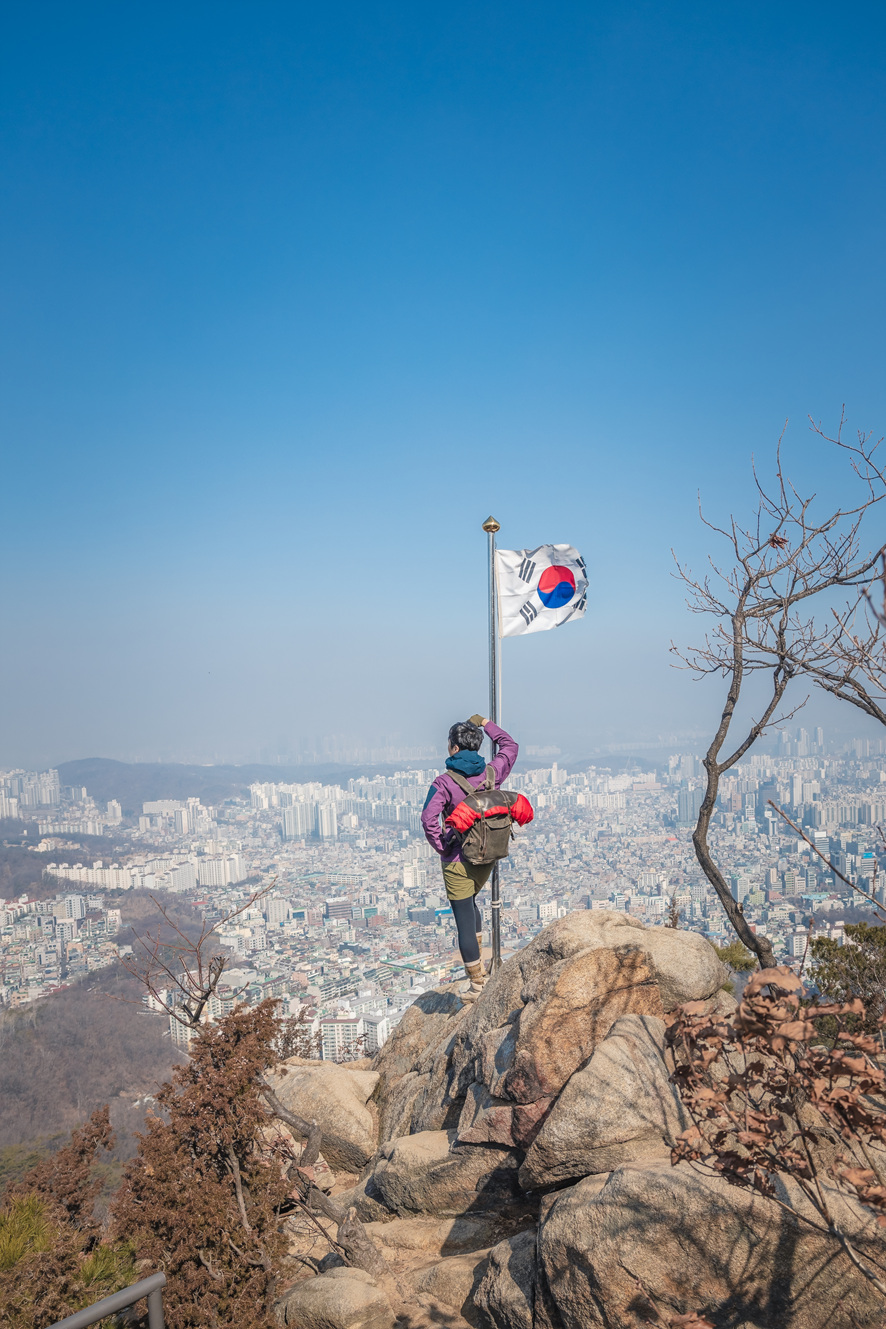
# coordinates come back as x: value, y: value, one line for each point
x: 464, y: 880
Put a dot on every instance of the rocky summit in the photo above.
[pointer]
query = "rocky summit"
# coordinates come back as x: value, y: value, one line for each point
x: 514, y: 1160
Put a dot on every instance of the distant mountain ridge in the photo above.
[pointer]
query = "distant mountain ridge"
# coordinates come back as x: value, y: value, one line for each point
x: 134, y: 783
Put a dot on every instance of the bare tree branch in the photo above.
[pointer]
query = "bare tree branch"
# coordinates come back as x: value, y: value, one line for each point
x: 238, y: 1187
x: 847, y: 881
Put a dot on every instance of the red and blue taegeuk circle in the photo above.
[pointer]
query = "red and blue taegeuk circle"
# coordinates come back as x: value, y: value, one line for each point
x: 556, y: 587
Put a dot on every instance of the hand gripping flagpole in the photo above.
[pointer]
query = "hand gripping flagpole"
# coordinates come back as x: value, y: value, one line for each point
x: 491, y: 526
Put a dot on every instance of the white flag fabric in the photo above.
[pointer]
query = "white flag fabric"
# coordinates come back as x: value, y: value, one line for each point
x: 540, y: 588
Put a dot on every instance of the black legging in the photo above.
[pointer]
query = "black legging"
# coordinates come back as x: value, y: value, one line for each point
x: 468, y: 921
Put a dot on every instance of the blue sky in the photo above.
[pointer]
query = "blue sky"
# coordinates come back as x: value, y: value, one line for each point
x: 292, y: 296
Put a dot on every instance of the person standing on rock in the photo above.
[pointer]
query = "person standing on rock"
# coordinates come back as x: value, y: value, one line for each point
x: 463, y: 880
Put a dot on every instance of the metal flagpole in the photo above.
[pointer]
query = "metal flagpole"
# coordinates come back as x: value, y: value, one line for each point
x: 491, y: 526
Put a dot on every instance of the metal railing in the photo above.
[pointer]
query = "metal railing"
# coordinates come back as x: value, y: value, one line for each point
x: 121, y: 1301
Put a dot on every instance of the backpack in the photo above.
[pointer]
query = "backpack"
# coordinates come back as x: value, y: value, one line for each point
x: 485, y: 819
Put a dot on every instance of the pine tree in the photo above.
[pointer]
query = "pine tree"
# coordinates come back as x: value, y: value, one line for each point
x: 204, y: 1197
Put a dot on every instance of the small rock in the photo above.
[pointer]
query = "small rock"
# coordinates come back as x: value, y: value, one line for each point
x: 488, y: 1120
x: 336, y: 1097
x: 454, y: 1281
x: 506, y: 1292
x: 686, y: 965
x: 341, y: 1298
x: 331, y: 1260
x: 722, y: 1003
x: 366, y: 1198
x: 424, y: 1174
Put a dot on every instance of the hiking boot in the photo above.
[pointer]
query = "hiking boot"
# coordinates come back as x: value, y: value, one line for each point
x: 480, y: 948
x: 476, y: 981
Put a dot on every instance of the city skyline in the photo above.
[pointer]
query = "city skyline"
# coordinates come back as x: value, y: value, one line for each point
x: 326, y: 895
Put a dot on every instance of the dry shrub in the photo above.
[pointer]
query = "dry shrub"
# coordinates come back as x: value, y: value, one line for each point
x: 790, y: 1086
x: 54, y: 1257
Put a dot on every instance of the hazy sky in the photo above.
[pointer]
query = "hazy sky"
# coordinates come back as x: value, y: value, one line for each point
x: 294, y: 295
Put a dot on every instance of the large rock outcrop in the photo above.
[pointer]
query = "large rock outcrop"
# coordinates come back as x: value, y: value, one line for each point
x: 538, y: 1021
x: 517, y: 1159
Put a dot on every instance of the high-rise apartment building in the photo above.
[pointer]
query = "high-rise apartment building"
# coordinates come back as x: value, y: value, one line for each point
x: 739, y: 886
x: 183, y: 877
x: 276, y: 912
x: 218, y: 870
x: 299, y: 821
x: 376, y: 1031
x: 340, y: 1037
x: 414, y: 877
x: 688, y: 803
x: 327, y: 821
x: 39, y: 789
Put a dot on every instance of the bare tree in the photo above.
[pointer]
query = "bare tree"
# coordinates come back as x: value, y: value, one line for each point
x: 768, y: 598
x: 189, y: 966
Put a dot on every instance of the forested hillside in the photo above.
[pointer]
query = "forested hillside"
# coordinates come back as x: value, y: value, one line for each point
x: 65, y: 1056
x: 91, y: 1043
x: 21, y: 867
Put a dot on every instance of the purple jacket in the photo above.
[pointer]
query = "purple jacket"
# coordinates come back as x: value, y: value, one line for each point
x: 444, y: 794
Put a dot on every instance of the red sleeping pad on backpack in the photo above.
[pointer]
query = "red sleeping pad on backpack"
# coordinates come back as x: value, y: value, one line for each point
x: 463, y: 816
x: 485, y: 819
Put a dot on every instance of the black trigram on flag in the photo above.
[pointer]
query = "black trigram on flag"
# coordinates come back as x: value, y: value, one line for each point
x: 527, y: 571
x: 528, y: 612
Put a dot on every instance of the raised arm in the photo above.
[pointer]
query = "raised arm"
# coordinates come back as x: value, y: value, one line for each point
x: 506, y: 751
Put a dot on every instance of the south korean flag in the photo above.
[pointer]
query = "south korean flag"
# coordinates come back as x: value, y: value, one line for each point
x: 539, y: 588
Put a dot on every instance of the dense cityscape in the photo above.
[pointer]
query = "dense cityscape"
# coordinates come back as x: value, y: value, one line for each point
x: 350, y: 922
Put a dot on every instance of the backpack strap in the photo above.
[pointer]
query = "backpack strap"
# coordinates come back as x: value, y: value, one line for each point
x: 466, y: 785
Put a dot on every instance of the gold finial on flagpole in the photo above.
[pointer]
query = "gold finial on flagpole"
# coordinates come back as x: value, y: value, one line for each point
x: 491, y: 525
